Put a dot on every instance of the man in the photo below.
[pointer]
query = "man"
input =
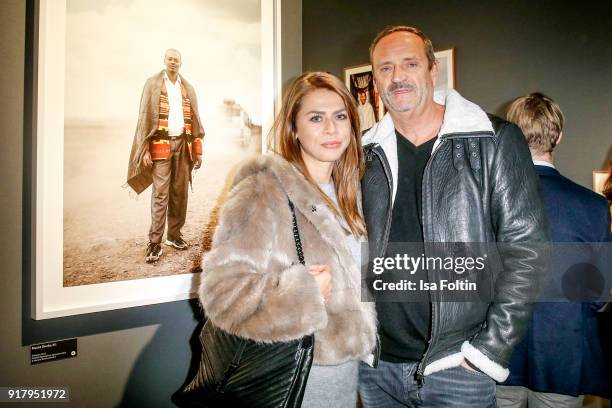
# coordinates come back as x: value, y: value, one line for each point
x: 444, y: 171
x: 167, y: 146
x: 365, y: 111
x: 561, y: 357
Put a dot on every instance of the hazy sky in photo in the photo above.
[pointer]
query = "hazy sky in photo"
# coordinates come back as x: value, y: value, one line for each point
x: 113, y: 46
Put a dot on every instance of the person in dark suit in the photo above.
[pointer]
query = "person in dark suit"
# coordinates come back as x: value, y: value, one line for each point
x: 561, y: 358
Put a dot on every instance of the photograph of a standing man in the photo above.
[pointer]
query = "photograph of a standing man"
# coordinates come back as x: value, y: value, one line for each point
x: 167, y: 146
x: 365, y: 111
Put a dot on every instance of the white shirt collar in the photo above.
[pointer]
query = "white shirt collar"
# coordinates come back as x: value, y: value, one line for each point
x: 178, y: 78
x: 543, y: 163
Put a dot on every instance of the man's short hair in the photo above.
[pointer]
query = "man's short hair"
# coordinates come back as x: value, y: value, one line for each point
x: 175, y: 50
x: 429, y: 50
x: 540, y: 119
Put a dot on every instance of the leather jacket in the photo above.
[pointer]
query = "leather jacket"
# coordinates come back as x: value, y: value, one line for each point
x: 479, y: 186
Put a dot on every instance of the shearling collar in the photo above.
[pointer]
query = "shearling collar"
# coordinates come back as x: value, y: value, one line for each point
x: 302, y: 194
x: 460, y: 116
x: 306, y: 199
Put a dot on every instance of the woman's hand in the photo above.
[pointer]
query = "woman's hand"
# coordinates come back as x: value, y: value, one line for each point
x: 322, y: 274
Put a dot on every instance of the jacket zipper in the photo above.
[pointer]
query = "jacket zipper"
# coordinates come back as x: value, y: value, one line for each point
x: 420, y: 376
x: 387, y: 171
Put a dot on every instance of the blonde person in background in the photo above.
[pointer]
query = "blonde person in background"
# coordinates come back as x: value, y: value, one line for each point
x: 562, y: 357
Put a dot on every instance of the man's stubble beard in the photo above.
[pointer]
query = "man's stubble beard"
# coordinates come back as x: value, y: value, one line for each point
x: 385, y: 96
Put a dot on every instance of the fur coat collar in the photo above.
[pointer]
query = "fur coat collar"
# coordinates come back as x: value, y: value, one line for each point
x: 306, y: 199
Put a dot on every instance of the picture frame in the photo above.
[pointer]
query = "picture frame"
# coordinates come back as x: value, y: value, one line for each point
x: 359, y: 81
x: 446, y: 66
x: 599, y: 179
x: 45, y: 161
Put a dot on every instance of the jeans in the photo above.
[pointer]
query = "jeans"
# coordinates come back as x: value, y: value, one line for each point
x: 395, y: 385
x: 170, y: 192
x: 510, y: 396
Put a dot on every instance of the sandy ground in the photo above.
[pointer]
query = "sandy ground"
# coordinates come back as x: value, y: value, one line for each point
x: 106, y: 224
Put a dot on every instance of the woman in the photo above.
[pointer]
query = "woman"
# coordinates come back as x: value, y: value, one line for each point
x: 252, y: 284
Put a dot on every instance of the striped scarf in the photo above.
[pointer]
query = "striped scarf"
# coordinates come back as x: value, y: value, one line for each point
x: 164, y: 111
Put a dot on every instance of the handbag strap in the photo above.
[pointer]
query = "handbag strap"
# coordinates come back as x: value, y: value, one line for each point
x: 296, y: 235
x: 242, y: 346
x: 306, y: 341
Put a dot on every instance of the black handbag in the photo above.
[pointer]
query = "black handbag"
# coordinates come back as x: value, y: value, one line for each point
x: 237, y: 372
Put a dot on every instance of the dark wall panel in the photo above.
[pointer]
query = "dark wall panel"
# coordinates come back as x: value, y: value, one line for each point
x: 504, y: 49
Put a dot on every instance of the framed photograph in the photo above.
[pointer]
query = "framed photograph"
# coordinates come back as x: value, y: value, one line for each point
x: 599, y: 179
x: 359, y: 80
x: 446, y: 64
x: 97, y: 63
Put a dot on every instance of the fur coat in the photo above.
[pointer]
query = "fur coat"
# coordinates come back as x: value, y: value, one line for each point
x: 253, y: 285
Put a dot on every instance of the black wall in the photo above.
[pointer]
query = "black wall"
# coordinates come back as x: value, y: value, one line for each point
x: 503, y: 49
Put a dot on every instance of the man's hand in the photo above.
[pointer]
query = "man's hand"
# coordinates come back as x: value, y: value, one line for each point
x: 146, y: 159
x: 198, y: 161
x: 465, y: 365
